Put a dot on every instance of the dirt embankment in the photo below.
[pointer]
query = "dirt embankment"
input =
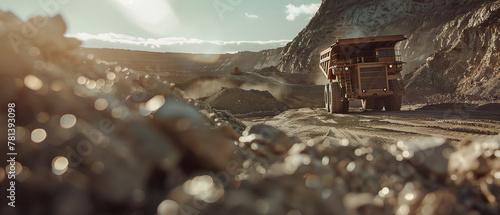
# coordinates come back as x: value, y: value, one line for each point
x: 293, y: 95
x: 246, y: 102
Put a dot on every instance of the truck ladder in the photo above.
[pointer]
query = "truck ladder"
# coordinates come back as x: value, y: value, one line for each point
x: 348, y: 84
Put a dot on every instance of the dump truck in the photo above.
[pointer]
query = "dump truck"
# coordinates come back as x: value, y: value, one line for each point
x: 236, y: 71
x: 363, y: 68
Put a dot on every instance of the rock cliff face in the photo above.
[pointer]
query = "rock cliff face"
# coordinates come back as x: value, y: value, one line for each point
x: 464, y: 61
x: 454, y: 41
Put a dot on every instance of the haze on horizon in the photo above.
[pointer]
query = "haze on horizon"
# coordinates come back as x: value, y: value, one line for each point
x: 189, y: 26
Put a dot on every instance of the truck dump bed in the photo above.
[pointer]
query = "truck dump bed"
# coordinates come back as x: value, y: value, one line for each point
x: 354, y: 50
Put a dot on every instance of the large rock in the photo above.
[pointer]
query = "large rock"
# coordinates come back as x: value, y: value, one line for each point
x: 477, y: 158
x: 273, y: 140
x: 427, y: 155
x: 190, y: 129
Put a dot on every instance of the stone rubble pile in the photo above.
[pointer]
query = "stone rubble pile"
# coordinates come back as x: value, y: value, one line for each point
x: 246, y: 102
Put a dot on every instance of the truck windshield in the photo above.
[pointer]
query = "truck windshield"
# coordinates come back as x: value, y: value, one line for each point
x: 386, y: 53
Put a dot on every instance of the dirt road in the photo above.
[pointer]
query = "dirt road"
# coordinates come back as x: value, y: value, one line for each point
x: 454, y: 122
x: 306, y: 120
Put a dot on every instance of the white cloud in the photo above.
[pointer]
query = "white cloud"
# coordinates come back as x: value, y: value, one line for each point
x: 251, y: 16
x: 293, y: 11
x: 172, y: 43
x: 165, y: 41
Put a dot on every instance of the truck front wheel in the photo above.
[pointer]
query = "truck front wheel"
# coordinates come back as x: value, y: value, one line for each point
x: 338, y: 104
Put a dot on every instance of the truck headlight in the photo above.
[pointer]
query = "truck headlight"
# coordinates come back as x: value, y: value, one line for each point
x: 346, y: 68
x: 391, y: 66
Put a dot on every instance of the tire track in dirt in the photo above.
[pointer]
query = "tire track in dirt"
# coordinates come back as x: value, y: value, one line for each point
x: 385, y: 127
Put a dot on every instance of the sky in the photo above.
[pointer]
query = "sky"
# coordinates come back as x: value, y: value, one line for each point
x: 191, y: 26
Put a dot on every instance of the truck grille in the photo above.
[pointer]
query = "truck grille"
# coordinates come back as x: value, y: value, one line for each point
x: 373, y: 78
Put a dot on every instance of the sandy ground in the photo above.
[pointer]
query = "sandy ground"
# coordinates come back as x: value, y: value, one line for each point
x: 386, y: 127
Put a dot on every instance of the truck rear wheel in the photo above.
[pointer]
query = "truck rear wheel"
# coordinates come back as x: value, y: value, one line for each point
x: 378, y: 104
x: 338, y: 104
x: 327, y: 97
x: 368, y: 103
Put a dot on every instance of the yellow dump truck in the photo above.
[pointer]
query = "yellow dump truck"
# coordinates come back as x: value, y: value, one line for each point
x: 363, y: 68
x: 236, y: 71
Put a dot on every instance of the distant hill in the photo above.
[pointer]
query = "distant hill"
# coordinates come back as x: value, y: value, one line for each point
x: 141, y: 60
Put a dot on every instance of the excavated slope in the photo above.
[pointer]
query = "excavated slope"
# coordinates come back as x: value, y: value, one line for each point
x: 452, y: 45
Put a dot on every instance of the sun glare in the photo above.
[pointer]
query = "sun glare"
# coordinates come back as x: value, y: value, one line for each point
x: 155, y: 16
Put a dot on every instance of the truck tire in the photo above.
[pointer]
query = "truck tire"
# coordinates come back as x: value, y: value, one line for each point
x: 368, y: 104
x: 378, y: 104
x: 393, y: 103
x: 337, y: 103
x: 327, y: 97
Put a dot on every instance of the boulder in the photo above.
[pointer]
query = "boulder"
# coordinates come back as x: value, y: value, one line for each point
x: 427, y: 155
x: 477, y: 158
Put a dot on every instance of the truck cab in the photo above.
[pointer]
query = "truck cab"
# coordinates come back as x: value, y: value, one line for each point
x: 363, y: 68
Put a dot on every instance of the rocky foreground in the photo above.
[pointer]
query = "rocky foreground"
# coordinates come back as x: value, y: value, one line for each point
x: 95, y: 138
